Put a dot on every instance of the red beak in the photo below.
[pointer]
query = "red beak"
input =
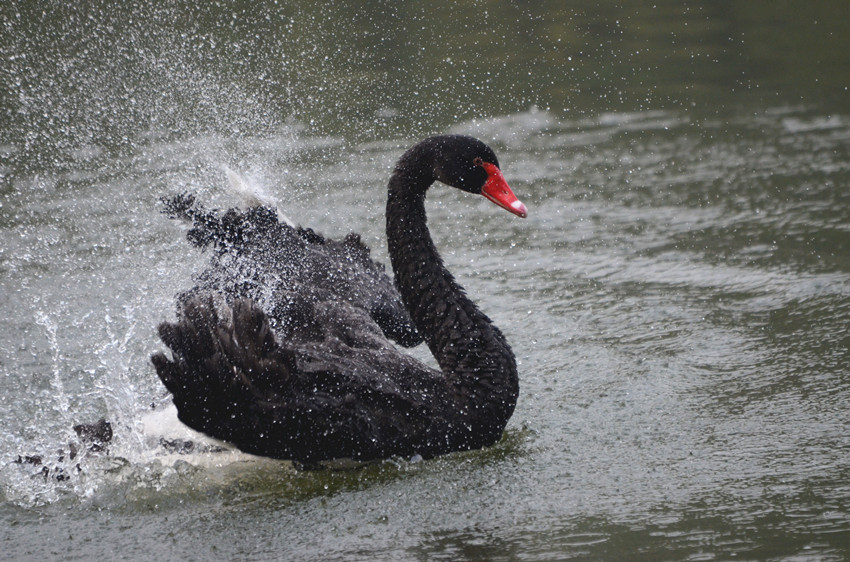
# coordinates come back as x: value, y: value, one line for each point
x: 496, y: 190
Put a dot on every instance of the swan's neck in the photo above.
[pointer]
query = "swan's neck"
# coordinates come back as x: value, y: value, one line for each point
x: 469, y: 349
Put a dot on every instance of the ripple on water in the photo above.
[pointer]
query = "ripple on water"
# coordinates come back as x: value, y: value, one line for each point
x: 677, y: 299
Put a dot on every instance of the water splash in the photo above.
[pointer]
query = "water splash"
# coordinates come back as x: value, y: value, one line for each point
x: 150, y: 449
x: 50, y: 327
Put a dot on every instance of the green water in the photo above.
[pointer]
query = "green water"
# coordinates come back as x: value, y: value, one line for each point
x: 678, y: 299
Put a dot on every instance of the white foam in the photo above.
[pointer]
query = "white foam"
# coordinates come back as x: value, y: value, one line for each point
x: 163, y: 425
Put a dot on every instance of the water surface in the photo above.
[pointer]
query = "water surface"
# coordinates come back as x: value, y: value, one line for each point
x: 678, y: 299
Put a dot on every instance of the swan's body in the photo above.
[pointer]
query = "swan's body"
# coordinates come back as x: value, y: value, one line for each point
x: 297, y: 364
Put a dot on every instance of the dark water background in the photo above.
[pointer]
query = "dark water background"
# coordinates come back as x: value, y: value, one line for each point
x: 678, y: 298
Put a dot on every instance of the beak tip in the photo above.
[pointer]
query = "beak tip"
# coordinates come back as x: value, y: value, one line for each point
x: 519, y: 209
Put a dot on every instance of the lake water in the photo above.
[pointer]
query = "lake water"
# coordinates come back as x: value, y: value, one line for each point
x: 678, y: 298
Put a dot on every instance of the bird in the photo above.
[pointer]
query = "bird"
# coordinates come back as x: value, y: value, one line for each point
x: 284, y: 349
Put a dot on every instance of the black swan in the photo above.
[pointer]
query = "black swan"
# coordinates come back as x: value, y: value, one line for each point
x: 282, y: 349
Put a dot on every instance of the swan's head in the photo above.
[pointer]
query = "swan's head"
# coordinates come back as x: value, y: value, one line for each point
x: 470, y: 165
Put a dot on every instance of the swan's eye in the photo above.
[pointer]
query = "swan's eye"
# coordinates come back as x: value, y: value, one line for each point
x: 478, y: 161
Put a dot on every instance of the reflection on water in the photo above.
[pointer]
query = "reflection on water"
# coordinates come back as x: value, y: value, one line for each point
x: 677, y: 298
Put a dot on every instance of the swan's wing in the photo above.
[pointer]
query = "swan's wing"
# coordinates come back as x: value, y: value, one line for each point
x: 211, y: 396
x: 345, y: 393
x: 284, y: 268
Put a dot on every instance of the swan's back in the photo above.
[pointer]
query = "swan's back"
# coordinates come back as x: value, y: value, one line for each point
x: 288, y: 270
